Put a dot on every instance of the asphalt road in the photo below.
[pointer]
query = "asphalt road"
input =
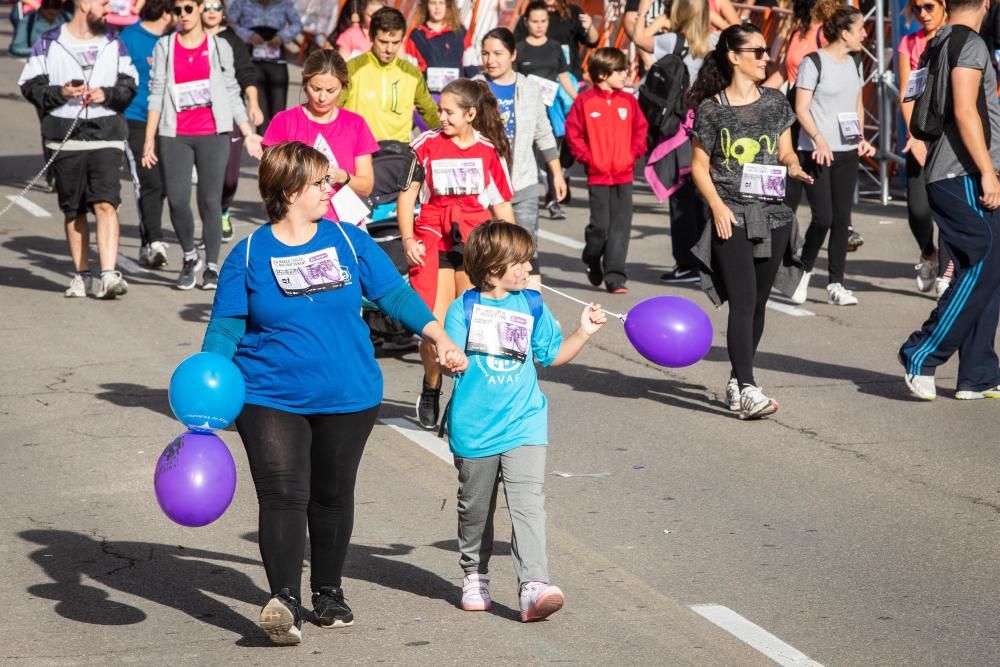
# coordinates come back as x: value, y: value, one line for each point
x: 857, y: 525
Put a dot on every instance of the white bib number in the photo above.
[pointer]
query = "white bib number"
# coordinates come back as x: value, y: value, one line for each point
x: 500, y: 332
x: 439, y: 77
x: 458, y: 177
x: 850, y: 126
x: 310, y: 273
x: 549, y: 88
x: 763, y: 182
x: 194, y: 95
x: 266, y: 52
x: 916, y: 85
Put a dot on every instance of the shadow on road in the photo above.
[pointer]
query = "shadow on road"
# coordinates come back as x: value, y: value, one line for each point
x: 128, y: 395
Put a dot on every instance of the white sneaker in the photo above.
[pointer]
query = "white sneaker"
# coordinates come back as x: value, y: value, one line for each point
x: 802, y: 291
x: 733, y: 395
x: 921, y: 386
x: 540, y: 600
x: 476, y: 592
x: 972, y: 395
x: 838, y: 295
x: 156, y: 254
x: 926, y: 273
x: 941, y: 286
x: 754, y: 404
x: 78, y: 287
x: 111, y: 284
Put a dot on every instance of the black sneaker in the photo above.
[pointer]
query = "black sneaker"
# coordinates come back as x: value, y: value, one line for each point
x: 281, y: 619
x: 679, y: 274
x: 429, y: 407
x: 209, y: 279
x: 189, y: 273
x: 555, y: 211
x: 595, y: 274
x: 854, y: 241
x: 329, y: 608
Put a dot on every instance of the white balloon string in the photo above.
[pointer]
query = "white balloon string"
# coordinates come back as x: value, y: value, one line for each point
x: 573, y: 298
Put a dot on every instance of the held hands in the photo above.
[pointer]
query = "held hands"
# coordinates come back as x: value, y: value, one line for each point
x: 823, y: 155
x: 917, y: 149
x: 724, y: 219
x: 865, y: 149
x: 414, y: 251
x: 592, y: 318
x: 450, y: 357
x: 795, y: 171
x: 991, y: 191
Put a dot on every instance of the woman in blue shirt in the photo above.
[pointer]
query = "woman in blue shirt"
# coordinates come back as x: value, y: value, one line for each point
x: 288, y: 311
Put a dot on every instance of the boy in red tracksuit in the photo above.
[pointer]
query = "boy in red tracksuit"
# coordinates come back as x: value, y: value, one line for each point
x: 606, y: 131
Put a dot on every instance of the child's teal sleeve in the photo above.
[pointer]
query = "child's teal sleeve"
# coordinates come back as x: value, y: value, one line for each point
x: 455, y: 325
x: 547, y: 338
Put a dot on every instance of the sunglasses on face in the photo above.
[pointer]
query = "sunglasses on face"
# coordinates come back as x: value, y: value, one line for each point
x: 187, y: 9
x: 213, y: 7
x: 929, y: 8
x: 758, y: 52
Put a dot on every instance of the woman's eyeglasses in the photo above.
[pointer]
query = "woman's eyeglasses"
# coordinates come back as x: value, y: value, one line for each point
x: 326, y: 180
x: 929, y: 8
x: 758, y: 52
x: 214, y: 7
x: 187, y: 9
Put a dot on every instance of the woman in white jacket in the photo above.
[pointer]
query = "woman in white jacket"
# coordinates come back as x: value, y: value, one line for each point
x: 522, y: 108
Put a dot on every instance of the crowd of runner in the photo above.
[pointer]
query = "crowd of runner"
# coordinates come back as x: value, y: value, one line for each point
x: 182, y: 88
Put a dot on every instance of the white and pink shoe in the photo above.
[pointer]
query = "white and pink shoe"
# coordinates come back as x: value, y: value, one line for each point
x: 476, y: 592
x: 540, y: 600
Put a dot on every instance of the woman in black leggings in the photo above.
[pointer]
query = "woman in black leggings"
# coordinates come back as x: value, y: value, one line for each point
x: 743, y: 156
x: 288, y: 312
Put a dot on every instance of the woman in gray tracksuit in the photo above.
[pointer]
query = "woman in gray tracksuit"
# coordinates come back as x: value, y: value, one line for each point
x: 523, y: 111
x: 194, y: 99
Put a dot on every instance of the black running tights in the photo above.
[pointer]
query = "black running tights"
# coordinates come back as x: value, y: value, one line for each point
x: 831, y: 198
x: 918, y: 209
x: 748, y: 281
x: 304, y: 468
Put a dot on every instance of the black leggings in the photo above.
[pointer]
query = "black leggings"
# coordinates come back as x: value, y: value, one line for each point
x: 918, y: 209
x: 831, y: 198
x: 304, y: 468
x: 272, y: 86
x: 748, y: 281
x: 232, y: 179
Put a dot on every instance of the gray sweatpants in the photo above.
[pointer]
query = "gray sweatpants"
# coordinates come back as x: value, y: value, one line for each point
x: 522, y: 470
x: 210, y: 153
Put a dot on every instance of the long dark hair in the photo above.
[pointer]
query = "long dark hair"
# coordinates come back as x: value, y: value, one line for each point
x: 477, y: 95
x: 716, y: 71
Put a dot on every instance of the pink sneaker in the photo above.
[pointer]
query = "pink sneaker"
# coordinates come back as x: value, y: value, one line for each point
x: 539, y: 600
x: 476, y: 592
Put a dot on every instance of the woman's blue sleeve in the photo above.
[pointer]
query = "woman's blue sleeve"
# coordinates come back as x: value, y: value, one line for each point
x: 223, y: 335
x: 403, y: 304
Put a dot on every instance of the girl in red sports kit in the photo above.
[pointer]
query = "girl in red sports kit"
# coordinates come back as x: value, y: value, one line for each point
x: 466, y: 164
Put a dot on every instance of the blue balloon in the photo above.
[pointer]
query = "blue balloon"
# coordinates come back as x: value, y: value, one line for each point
x: 206, y: 392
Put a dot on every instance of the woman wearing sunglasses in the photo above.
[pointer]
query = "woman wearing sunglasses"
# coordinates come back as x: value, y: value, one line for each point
x: 288, y: 312
x: 743, y: 156
x: 933, y: 270
x: 213, y: 18
x: 194, y: 101
x: 831, y: 112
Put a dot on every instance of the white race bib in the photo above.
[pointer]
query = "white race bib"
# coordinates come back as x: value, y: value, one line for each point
x: 323, y: 147
x: 500, y: 332
x: 310, y: 273
x: 266, y: 52
x: 916, y: 85
x: 850, y: 126
x: 439, y: 77
x: 458, y: 176
x: 549, y: 88
x: 194, y: 95
x: 86, y: 55
x: 763, y: 181
x: 349, y: 206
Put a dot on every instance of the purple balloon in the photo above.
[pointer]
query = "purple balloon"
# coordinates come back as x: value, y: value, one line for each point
x: 669, y: 331
x: 195, y: 479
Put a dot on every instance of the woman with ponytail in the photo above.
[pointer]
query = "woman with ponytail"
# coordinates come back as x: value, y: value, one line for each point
x: 743, y: 156
x: 466, y: 183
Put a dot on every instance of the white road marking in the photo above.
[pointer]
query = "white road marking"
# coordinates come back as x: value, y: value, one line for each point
x: 425, y: 439
x: 29, y: 206
x: 789, y: 310
x: 754, y: 635
x: 131, y: 267
x: 560, y: 239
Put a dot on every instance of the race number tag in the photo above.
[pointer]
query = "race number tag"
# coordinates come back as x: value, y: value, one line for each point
x: 916, y: 85
x: 323, y: 147
x: 310, y: 273
x: 500, y: 332
x: 120, y: 7
x: 266, y: 52
x: 439, y: 77
x: 458, y: 176
x: 850, y: 126
x: 549, y: 88
x: 763, y: 182
x: 194, y: 95
x: 86, y: 56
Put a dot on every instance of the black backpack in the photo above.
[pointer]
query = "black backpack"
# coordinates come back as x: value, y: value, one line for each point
x: 661, y: 95
x: 818, y: 64
x: 395, y: 167
x: 932, y: 109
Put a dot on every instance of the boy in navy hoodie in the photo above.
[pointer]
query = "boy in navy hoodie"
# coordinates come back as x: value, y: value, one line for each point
x: 607, y: 133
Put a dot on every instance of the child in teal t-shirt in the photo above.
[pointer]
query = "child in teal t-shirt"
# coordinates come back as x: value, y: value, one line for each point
x: 497, y: 420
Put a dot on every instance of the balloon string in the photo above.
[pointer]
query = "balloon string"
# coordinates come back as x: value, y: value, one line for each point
x: 573, y: 298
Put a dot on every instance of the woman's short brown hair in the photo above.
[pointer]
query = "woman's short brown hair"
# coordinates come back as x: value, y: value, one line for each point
x: 325, y: 61
x: 287, y: 168
x: 604, y: 62
x: 492, y: 247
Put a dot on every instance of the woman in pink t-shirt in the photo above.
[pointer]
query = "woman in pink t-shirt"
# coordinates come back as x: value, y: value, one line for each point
x: 341, y: 135
x: 932, y: 268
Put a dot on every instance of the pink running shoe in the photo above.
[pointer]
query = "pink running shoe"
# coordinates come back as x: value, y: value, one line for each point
x: 539, y: 600
x: 476, y: 592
